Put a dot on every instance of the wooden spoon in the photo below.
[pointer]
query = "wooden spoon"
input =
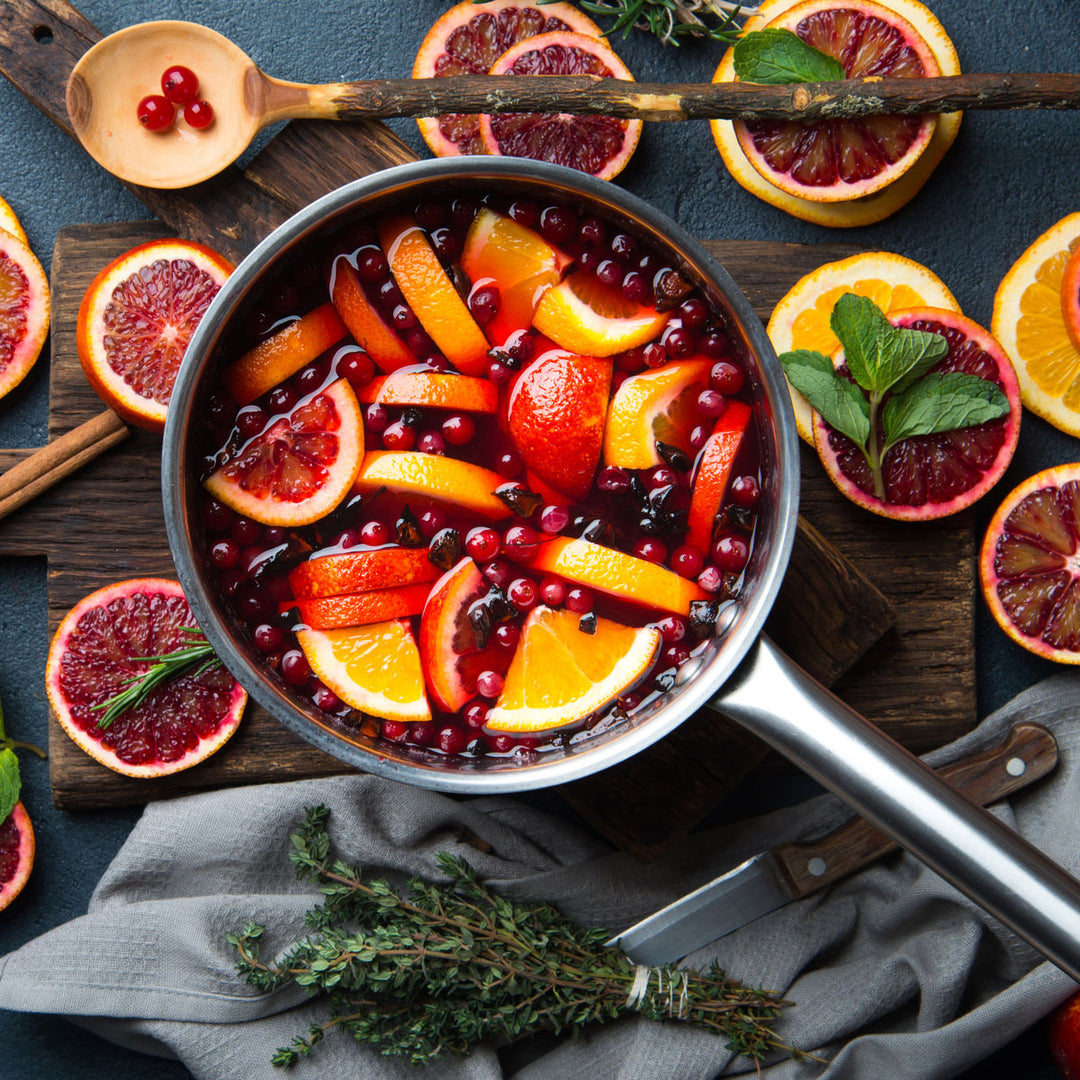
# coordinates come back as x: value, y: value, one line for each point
x: 109, y: 81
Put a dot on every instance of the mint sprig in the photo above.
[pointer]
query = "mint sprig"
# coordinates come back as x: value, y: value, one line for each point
x: 895, y: 394
x: 10, y: 778
x: 773, y: 56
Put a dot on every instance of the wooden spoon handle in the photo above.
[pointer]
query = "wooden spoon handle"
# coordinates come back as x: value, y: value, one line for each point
x: 380, y: 99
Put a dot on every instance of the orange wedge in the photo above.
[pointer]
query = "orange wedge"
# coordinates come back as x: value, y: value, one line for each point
x: 374, y: 668
x: 469, y: 486
x: 358, y: 609
x: 617, y: 574
x: 654, y: 406
x: 283, y: 354
x: 433, y: 389
x: 713, y: 473
x: 592, y: 319
x: 560, y: 674
x: 367, y: 326
x: 431, y: 294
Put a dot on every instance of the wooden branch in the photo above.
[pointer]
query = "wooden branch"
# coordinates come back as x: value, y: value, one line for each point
x: 379, y: 99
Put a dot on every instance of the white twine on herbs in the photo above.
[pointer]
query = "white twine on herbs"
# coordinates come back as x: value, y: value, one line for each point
x: 676, y: 981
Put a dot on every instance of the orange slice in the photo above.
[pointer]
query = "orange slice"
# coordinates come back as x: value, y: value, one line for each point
x: 16, y: 853
x: 591, y: 319
x: 654, y: 406
x: 374, y: 668
x: 431, y: 294
x: 365, y: 324
x: 358, y: 609
x: 617, y: 574
x: 1070, y: 297
x: 9, y: 222
x: 24, y: 311
x: 414, y: 473
x: 801, y: 319
x: 560, y: 674
x: 283, y: 354
x: 713, y: 473
x: 359, y: 571
x: 433, y: 389
x: 1029, y: 323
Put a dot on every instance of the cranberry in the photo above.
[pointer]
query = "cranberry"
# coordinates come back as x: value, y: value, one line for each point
x: 282, y: 398
x: 225, y: 554
x: 509, y: 464
x: 221, y: 409
x: 521, y: 345
x: 484, y: 303
x: 156, y: 113
x: 553, y: 519
x: 268, y: 637
x: 250, y: 421
x: 458, y: 430
x: 674, y: 655
x: 745, y: 491
x: 430, y: 214
x: 522, y: 593
x: 431, y: 442
x: 699, y: 436
x: 629, y: 702
x: 612, y: 478
x: 403, y: 317
x: 447, y: 243
x: 679, y: 341
x: 498, y: 573
x: 592, y: 232
x: 311, y: 378
x: 482, y: 543
x: 655, y: 355
x: 726, y: 378
x: 631, y: 361
x: 661, y: 477
x: 609, y: 272
x: 231, y: 580
x: 489, y: 684
x: 711, y: 403
x: 245, y: 531
x: 422, y: 734
x: 476, y: 714
x: 672, y: 629
x: 451, y: 739
x: 590, y: 259
x: 252, y: 605
x: 525, y: 212
x: 558, y: 224
x: 217, y: 517
x: 274, y: 534
x: 295, y: 669
x: 371, y: 265
x: 507, y: 635
x: 687, y: 561
x: 431, y: 522
x: 399, y: 436
x: 356, y: 366
x: 462, y: 211
x: 579, y: 601
x: 394, y: 730
x: 376, y: 418
x: 374, y: 534
x: 710, y: 579
x: 552, y: 590
x: 180, y: 84
x: 650, y: 550
x: 693, y: 313
x: 199, y: 115
x: 349, y: 538
x: 436, y: 362
x: 498, y: 373
x: 519, y: 543
x: 389, y: 295
x: 636, y: 289
x: 730, y: 553
x: 502, y: 744
x: 623, y: 246
x: 650, y: 264
x: 716, y: 344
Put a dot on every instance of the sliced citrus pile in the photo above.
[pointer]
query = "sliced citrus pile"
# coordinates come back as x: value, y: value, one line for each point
x: 104, y: 642
x: 1029, y: 321
x: 467, y: 40
x: 24, y: 311
x: 9, y: 222
x: 654, y: 406
x: 1029, y: 565
x: 587, y: 317
x: 713, y: 472
x: 556, y: 414
x: 801, y: 319
x: 560, y: 674
x: 599, y: 145
x: 932, y: 476
x: 136, y: 320
x: 869, y: 39
x: 432, y: 389
x: 366, y: 325
x: 301, y: 466
x: 374, y: 668
x: 16, y: 853
x: 450, y: 479
x: 283, y: 354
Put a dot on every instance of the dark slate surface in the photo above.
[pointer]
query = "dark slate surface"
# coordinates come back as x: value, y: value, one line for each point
x: 1007, y: 179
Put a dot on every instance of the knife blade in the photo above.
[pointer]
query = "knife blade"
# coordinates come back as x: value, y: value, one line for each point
x: 788, y: 872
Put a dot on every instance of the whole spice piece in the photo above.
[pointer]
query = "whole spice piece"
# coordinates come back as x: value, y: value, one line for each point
x: 445, y: 967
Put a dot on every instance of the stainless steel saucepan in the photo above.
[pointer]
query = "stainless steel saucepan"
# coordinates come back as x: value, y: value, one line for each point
x: 740, y: 674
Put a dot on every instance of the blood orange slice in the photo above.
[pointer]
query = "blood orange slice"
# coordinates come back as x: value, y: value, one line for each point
x: 301, y: 466
x: 24, y: 311
x: 136, y: 320
x: 16, y: 853
x: 1029, y: 565
x: 932, y: 476
x: 598, y: 145
x: 467, y: 40
x: 101, y: 645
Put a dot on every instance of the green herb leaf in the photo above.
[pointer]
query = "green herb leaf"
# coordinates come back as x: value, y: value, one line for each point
x: 907, y: 355
x: 10, y: 782
x: 773, y: 56
x: 841, y: 403
x: 862, y: 328
x: 942, y: 402
x: 3, y: 735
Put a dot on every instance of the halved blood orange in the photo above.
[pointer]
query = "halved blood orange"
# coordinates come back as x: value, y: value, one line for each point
x: 560, y: 674
x: 103, y: 643
x: 599, y: 145
x: 301, y: 466
x: 24, y: 311
x: 867, y: 209
x: 358, y: 609
x: 283, y: 354
x: 467, y: 40
x: 136, y: 320
x: 359, y: 571
x: 932, y: 476
x: 433, y: 389
x: 16, y: 853
x: 1029, y: 565
x: 365, y: 323
x: 9, y: 222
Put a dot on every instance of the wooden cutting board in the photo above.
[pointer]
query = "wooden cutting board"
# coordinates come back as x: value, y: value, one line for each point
x: 917, y: 680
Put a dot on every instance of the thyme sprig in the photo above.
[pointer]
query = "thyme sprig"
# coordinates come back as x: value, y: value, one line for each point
x: 196, y: 653
x: 444, y: 967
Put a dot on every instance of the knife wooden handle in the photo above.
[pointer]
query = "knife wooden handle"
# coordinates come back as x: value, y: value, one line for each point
x: 1028, y: 754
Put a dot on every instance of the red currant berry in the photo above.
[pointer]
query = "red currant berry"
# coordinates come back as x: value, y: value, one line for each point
x: 476, y: 713
x: 553, y: 519
x: 200, y: 115
x: 636, y: 289
x: 552, y: 590
x: 509, y: 464
x: 156, y: 113
x: 349, y: 538
x: 507, y: 635
x: 680, y: 341
x: 282, y: 398
x: 609, y: 272
x: 498, y: 373
x: 458, y: 430
x: 250, y: 421
x: 519, y: 543
x: 431, y: 442
x: 431, y: 522
x: 525, y: 212
x: 498, y: 573
x: 522, y: 593
x: 489, y: 684
x: 399, y: 436
x: 180, y: 84
x: 482, y: 543
x: 710, y: 579
x: 655, y: 355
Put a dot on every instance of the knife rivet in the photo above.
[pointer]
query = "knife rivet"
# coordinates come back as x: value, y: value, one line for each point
x: 816, y: 867
x: 1016, y: 766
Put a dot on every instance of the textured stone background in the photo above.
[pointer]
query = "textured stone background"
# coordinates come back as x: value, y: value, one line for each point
x: 1008, y: 177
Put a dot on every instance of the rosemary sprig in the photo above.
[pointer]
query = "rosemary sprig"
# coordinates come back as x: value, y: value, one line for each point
x: 444, y: 967
x: 670, y: 20
x: 196, y: 653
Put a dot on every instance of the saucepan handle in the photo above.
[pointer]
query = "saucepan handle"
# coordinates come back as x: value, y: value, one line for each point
x: 774, y: 698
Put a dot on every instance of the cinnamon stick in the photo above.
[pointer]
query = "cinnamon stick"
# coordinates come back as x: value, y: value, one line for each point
x: 63, y: 456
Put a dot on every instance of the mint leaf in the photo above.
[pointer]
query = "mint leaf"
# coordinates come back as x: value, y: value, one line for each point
x: 907, y: 356
x: 862, y: 329
x: 773, y: 56
x: 10, y: 782
x: 942, y: 402
x: 841, y: 403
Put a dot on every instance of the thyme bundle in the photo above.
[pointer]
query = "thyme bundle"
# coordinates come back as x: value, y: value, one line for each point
x: 445, y: 967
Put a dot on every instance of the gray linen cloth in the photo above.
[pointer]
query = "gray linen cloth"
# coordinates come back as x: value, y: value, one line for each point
x: 892, y: 973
